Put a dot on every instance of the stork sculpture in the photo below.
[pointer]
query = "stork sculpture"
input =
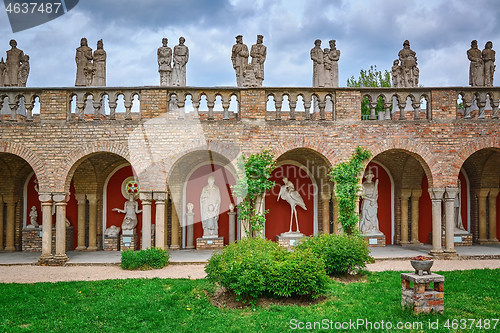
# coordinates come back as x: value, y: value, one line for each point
x: 288, y: 193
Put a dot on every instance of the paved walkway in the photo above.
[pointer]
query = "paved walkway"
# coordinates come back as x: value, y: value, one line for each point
x: 185, y: 257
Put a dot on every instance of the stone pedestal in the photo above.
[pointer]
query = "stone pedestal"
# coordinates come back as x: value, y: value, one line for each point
x: 32, y: 240
x: 210, y: 243
x: 111, y: 243
x: 420, y: 297
x: 129, y: 242
x: 464, y: 239
x: 375, y: 240
x: 289, y: 239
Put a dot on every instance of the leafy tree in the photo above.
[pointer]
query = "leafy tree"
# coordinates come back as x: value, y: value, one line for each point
x: 253, y: 182
x: 345, y: 175
x: 371, y: 78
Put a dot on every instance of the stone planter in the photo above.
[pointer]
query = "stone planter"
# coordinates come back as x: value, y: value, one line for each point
x: 421, y: 266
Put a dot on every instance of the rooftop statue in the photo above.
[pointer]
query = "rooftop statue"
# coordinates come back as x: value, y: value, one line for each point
x: 165, y: 63
x: 99, y: 59
x: 488, y: 57
x: 317, y: 56
x: 409, y: 69
x: 84, y: 66
x: 14, y: 66
x: 258, y: 53
x: 476, y: 68
x: 334, y: 56
x: 239, y: 57
x: 181, y: 57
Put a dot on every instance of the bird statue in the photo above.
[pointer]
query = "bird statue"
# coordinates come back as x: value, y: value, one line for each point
x: 288, y: 193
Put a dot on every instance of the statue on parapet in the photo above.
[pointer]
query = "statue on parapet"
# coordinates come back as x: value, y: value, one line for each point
x: 239, y: 57
x: 397, y: 74
x: 84, y: 67
x: 14, y: 72
x: 476, y: 68
x: 258, y: 52
x: 488, y: 57
x: 409, y: 69
x: 99, y: 61
x: 333, y: 56
x: 317, y: 56
x: 165, y: 63
x: 180, y: 59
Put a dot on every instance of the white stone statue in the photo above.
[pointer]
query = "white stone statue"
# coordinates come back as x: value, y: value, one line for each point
x: 84, y: 66
x: 99, y: 58
x: 317, y: 56
x: 112, y: 231
x: 165, y: 63
x: 190, y: 207
x: 369, y: 220
x: 239, y: 57
x: 290, y: 195
x: 231, y: 207
x: 210, y: 205
x: 131, y: 209
x: 334, y: 56
x: 258, y: 53
x: 33, y: 218
x: 410, y: 71
x: 15, y: 58
x: 181, y: 57
x: 459, y: 227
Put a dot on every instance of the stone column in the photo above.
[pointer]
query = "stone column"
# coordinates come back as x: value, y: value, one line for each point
x: 146, y: 198
x: 482, y: 193
x: 493, y: 215
x: 46, y: 201
x: 449, y: 201
x: 1, y: 223
x: 336, y: 227
x: 92, y: 198
x: 61, y: 199
x: 160, y: 198
x: 190, y: 227
x: 232, y: 225
x: 405, y: 195
x: 10, y: 200
x: 436, y: 196
x: 326, y: 196
x: 82, y: 204
x: 174, y: 243
x: 415, y: 196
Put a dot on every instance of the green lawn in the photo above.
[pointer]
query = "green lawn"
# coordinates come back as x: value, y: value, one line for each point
x: 157, y: 305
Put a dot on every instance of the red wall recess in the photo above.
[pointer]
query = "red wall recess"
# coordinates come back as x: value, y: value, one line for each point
x: 197, y: 181
x: 463, y: 199
x: 384, y: 200
x: 425, y: 214
x: 498, y: 217
x: 278, y: 218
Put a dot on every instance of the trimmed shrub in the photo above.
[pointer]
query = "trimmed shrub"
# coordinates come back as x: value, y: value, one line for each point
x: 254, y: 267
x: 342, y: 254
x: 145, y: 259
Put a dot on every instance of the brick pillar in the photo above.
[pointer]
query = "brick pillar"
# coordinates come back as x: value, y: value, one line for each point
x: 1, y: 223
x: 449, y: 201
x: 160, y: 198
x: 174, y: 243
x: 253, y: 104
x: 82, y: 204
x: 11, y: 201
x: 405, y: 195
x: 415, y: 196
x: 493, y: 215
x: 46, y: 201
x: 92, y: 198
x: 482, y: 193
x: 436, y: 196
x: 325, y: 196
x: 61, y: 199
x: 146, y: 198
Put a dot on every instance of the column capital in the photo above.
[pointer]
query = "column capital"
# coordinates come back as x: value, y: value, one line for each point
x: 10, y: 199
x: 146, y: 197
x: 494, y: 192
x: 81, y: 199
x: 416, y: 194
x: 405, y: 194
x: 160, y: 196
x: 45, y: 198
x: 60, y: 197
x: 436, y: 193
x: 326, y: 196
x: 92, y: 198
x: 482, y: 192
x: 451, y: 193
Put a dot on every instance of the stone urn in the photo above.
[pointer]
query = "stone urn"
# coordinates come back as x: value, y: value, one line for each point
x: 421, y: 266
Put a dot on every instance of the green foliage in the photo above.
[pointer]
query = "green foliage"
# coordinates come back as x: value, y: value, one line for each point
x: 254, y: 267
x: 145, y: 259
x: 371, y: 78
x: 253, y: 181
x: 342, y: 254
x: 345, y: 175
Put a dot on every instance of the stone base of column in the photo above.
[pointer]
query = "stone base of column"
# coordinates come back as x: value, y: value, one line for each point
x: 209, y: 243
x: 190, y: 247
x: 81, y: 248
x: 32, y: 240
x: 111, y: 243
x: 459, y: 239
x: 289, y: 240
x: 45, y: 260
x: 415, y: 243
x: 436, y: 253
x: 480, y: 241
x: 375, y: 240
x: 129, y: 242
x: 9, y: 249
x: 174, y: 247
x: 60, y: 260
x: 493, y: 241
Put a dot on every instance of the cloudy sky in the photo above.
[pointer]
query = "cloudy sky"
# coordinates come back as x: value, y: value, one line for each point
x: 368, y: 32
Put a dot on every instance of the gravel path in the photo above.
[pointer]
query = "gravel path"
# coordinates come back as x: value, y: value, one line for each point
x: 33, y: 274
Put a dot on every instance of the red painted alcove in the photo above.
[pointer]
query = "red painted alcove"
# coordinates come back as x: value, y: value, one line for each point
x: 278, y: 218
x: 197, y: 181
x: 115, y: 199
x: 384, y: 210
x: 498, y: 216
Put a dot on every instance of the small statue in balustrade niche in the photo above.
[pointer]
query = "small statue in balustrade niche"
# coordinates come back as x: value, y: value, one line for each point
x: 84, y: 66
x: 99, y: 60
x: 165, y: 63
x: 239, y: 57
x: 488, y: 57
x: 476, y: 69
x: 409, y: 70
x: 258, y: 53
x: 13, y: 66
x: 181, y: 57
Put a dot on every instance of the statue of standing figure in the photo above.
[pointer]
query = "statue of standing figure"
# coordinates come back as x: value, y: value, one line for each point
x: 130, y: 209
x: 317, y: 56
x: 397, y: 74
x: 15, y: 63
x: 334, y: 56
x: 84, y: 66
x: 488, y: 57
x: 3, y: 70
x: 258, y: 53
x: 99, y: 59
x: 239, y: 57
x: 369, y: 220
x: 165, y: 63
x: 181, y: 57
x: 476, y: 69
x: 409, y: 70
x: 33, y: 218
x: 210, y: 206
